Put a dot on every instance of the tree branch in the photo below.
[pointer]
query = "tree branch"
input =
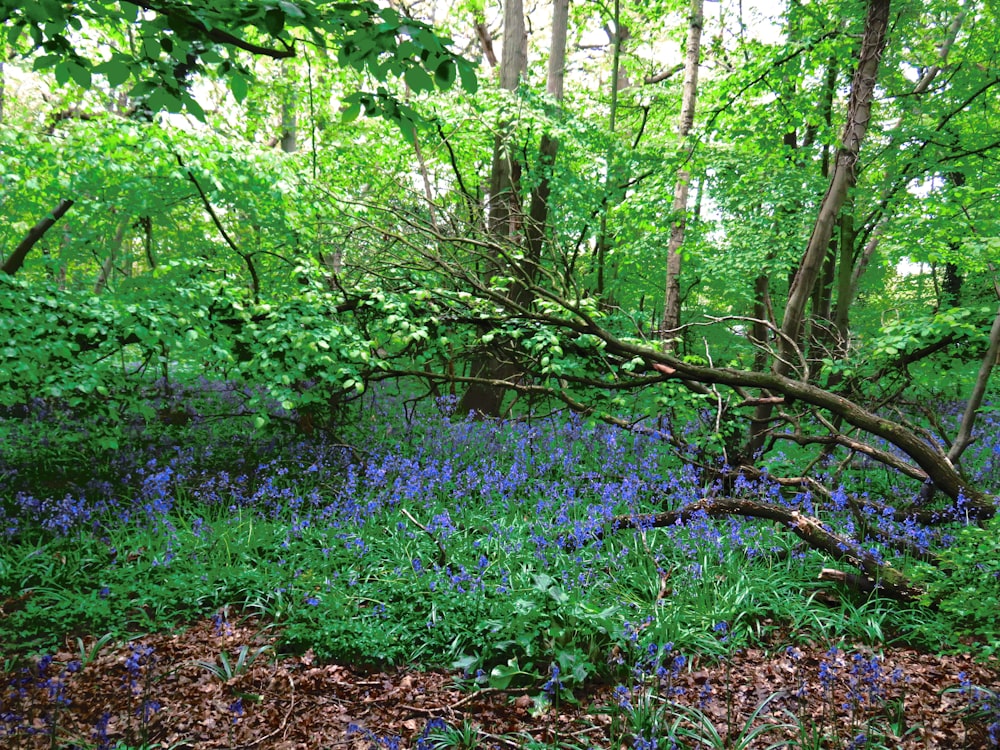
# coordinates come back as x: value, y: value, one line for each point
x: 964, y: 437
x: 217, y: 35
x: 16, y: 259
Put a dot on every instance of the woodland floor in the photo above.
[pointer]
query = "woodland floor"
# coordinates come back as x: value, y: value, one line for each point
x: 297, y: 702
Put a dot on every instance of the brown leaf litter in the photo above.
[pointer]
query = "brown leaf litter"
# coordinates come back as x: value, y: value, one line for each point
x: 180, y: 695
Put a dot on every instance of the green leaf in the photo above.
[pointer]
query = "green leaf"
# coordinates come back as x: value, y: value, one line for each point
x: 274, y: 21
x: 444, y: 74
x: 45, y: 61
x: 37, y: 12
x: 470, y: 84
x: 80, y: 75
x: 151, y: 47
x: 352, y: 112
x: 239, y: 86
x: 502, y: 674
x: 62, y: 73
x: 409, y: 131
x: 161, y: 99
x: 194, y: 108
x: 116, y: 71
x: 13, y: 34
x: 418, y: 80
x: 291, y: 9
x: 130, y: 12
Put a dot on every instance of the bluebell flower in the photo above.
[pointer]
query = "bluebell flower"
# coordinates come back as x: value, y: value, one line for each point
x: 623, y: 697
x: 236, y: 709
x: 553, y: 685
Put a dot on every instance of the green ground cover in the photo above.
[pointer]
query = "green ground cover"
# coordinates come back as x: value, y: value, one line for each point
x: 425, y: 539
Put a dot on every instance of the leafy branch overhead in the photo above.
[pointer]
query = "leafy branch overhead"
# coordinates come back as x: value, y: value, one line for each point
x: 160, y: 47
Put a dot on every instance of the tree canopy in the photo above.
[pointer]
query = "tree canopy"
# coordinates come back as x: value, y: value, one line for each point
x: 159, y: 48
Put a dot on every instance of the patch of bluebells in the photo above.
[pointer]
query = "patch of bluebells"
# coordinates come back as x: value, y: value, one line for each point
x: 566, y: 477
x: 983, y: 707
x: 545, y: 469
x: 854, y: 686
x: 236, y: 710
x: 220, y: 625
x: 34, y: 697
x: 553, y: 686
x: 424, y: 741
x: 99, y: 734
x: 653, y: 669
x: 374, y: 740
x: 139, y: 666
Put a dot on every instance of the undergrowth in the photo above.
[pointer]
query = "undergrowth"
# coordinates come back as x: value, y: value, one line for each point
x: 431, y: 540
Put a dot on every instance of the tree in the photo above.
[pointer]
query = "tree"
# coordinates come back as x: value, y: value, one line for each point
x: 790, y: 392
x: 815, y: 349
x: 672, y: 297
x: 843, y: 178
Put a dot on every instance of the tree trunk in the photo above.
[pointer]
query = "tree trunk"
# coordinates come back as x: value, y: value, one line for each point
x: 108, y: 266
x: 964, y: 438
x: 3, y: 78
x: 503, y: 218
x: 843, y: 178
x: 672, y: 301
x: 289, y: 121
x: 538, y: 213
x: 504, y: 213
x: 146, y: 222
x: 862, y: 257
x: 603, y: 243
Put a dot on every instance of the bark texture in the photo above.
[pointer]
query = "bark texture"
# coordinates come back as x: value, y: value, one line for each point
x: 672, y: 300
x: 503, y: 218
x: 842, y: 179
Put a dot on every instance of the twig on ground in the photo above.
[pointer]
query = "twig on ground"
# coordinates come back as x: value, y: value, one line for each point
x: 442, y: 555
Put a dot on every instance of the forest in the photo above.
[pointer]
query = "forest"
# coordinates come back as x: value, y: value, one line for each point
x: 514, y: 374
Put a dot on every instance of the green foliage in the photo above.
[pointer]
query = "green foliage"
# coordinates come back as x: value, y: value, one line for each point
x: 462, y: 737
x: 226, y: 668
x: 161, y: 47
x: 913, y: 331
x: 692, y: 725
x: 965, y: 584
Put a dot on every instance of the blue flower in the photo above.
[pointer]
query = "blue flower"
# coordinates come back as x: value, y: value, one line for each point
x: 554, y: 684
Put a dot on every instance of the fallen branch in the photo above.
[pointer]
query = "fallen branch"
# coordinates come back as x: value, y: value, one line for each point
x: 851, y: 580
x: 884, y: 577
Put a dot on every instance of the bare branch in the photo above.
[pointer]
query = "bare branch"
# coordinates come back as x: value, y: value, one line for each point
x: 16, y: 259
x: 964, y: 437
